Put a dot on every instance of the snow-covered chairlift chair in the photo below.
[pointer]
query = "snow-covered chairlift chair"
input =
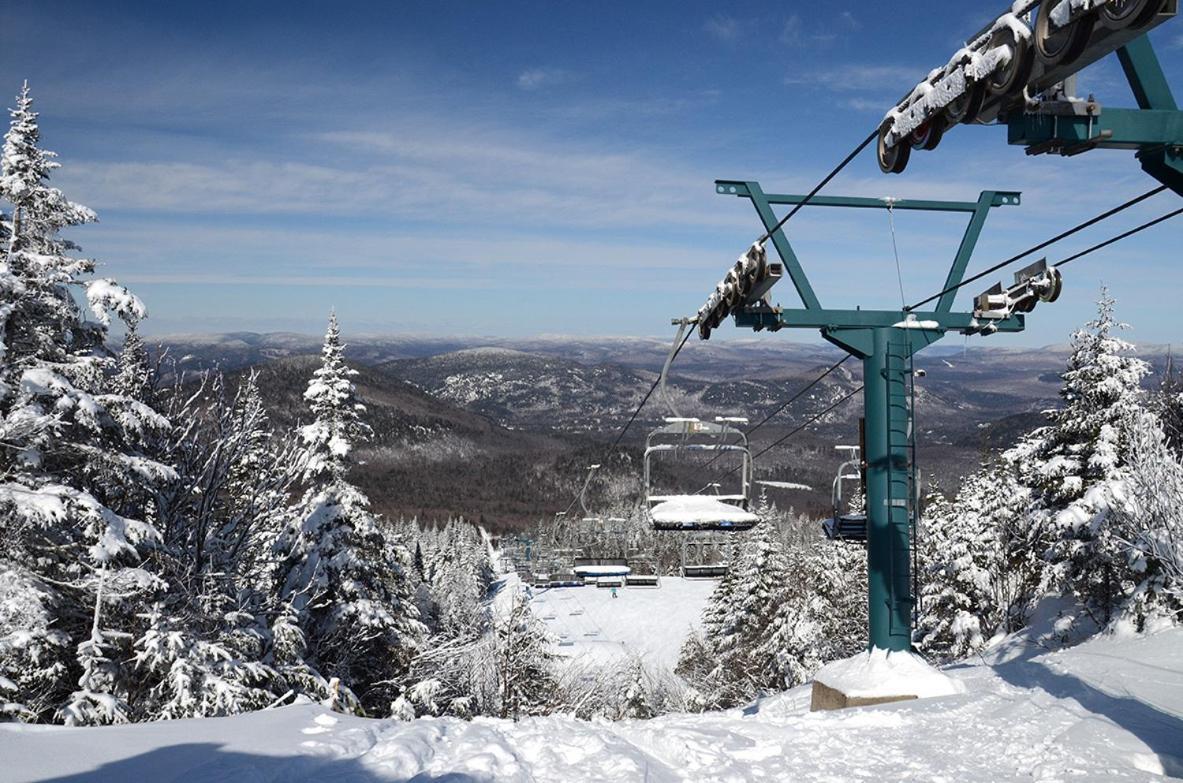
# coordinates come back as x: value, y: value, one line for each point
x: 698, y: 511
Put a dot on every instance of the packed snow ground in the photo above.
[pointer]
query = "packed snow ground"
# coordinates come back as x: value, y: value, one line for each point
x: 592, y: 627
x: 1108, y: 710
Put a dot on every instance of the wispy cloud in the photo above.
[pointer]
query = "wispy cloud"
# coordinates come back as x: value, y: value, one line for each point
x: 791, y: 32
x: 858, y: 78
x: 818, y: 32
x: 865, y: 104
x: 426, y: 170
x: 849, y: 20
x: 539, y: 78
x: 728, y: 29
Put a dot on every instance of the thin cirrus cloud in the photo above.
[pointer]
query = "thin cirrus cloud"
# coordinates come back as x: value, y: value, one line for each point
x: 858, y: 78
x: 541, y: 78
x: 422, y: 170
x: 726, y: 28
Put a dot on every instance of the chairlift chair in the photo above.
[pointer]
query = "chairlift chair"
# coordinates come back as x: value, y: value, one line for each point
x: 682, y: 435
x: 846, y: 527
x: 705, y: 555
x: 642, y: 570
x: 696, y: 511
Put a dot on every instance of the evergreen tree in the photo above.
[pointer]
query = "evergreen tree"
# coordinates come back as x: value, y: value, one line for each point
x: 345, y: 579
x: 739, y: 621
x: 73, y: 510
x: 981, y: 574
x: 523, y: 660
x: 1082, y: 448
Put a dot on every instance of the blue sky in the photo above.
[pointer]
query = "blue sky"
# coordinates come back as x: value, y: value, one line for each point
x: 521, y: 168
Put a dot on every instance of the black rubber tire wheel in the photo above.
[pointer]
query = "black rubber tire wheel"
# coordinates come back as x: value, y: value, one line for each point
x: 1063, y: 45
x: 1130, y: 14
x: 892, y: 160
x: 966, y: 107
x: 928, y: 135
x: 1012, y: 77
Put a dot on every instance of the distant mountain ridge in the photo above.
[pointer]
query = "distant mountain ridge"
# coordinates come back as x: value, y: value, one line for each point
x: 505, y: 428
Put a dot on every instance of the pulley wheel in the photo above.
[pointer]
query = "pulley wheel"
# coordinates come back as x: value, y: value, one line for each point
x: 1130, y: 14
x: 966, y: 107
x: 892, y: 160
x: 1012, y: 77
x: 1061, y: 45
x: 928, y: 135
x: 1057, y: 285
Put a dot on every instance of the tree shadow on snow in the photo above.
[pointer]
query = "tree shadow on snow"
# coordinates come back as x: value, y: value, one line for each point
x: 209, y: 763
x: 1159, y: 730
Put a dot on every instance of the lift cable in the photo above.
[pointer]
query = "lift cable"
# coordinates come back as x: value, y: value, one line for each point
x: 1041, y: 245
x: 800, y: 393
x: 1120, y: 237
x: 825, y: 181
x: 811, y: 421
x: 648, y: 394
x: 636, y: 412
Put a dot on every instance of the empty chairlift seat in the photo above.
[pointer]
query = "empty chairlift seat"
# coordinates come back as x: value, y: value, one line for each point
x: 704, y: 570
x: 846, y: 527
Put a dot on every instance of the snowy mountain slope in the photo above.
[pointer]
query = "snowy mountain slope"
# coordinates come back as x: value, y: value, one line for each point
x: 648, y: 622
x: 429, y: 458
x: 525, y: 389
x: 1110, y: 709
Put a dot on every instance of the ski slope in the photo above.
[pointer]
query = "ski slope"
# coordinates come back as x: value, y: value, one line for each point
x: 591, y: 626
x: 1108, y: 710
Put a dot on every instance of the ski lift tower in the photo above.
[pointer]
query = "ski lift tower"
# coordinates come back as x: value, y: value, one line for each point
x: 1019, y: 71
x: 885, y: 341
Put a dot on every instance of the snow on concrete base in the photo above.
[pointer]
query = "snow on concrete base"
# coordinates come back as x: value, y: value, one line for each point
x: 878, y: 676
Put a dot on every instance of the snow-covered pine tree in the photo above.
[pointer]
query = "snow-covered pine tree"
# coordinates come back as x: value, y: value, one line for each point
x: 1144, y: 512
x: 523, y: 660
x: 73, y: 525
x: 337, y: 569
x: 740, y: 619
x: 1168, y: 405
x: 196, y: 671
x: 1083, y: 447
x: 981, y: 574
x: 823, y: 615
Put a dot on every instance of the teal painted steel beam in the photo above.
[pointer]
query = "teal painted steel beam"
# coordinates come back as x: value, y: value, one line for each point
x: 969, y: 241
x: 783, y: 248
x: 889, y: 588
x: 740, y: 189
x: 1144, y: 73
x: 788, y: 318
x: 1164, y: 164
x: 1128, y: 129
x: 1154, y: 129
